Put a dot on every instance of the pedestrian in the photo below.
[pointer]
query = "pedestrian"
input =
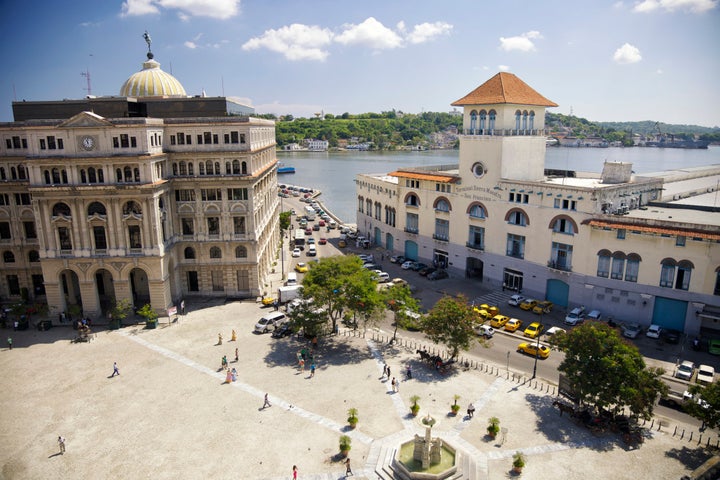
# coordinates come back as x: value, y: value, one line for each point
x: 397, y: 385
x: 384, y: 371
x: 224, y: 361
x: 234, y: 336
x: 471, y: 410
x: 409, y: 372
x: 302, y: 365
x: 228, y: 377
x: 312, y: 370
x: 266, y: 403
x: 236, y: 355
x: 393, y: 384
x: 115, y: 370
x: 388, y: 371
x: 295, y: 472
x: 348, y: 470
x: 61, y: 444
x: 219, y: 339
x: 234, y: 374
x: 276, y: 305
x: 9, y: 343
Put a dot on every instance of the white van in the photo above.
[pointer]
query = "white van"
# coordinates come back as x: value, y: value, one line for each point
x: 292, y: 279
x: 312, y: 251
x: 271, y: 321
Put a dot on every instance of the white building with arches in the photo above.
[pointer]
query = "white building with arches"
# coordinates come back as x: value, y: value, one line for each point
x: 499, y: 218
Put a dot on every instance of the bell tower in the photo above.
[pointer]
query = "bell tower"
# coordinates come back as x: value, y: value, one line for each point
x: 503, y: 133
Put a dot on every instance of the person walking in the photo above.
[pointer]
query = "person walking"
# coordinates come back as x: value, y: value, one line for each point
x: 295, y: 472
x: 219, y: 339
x: 236, y: 355
x: 302, y: 365
x: 267, y: 402
x: 61, y: 444
x: 384, y: 371
x: 115, y: 370
x: 224, y: 362
x: 9, y: 340
x: 348, y: 470
x: 393, y: 384
x: 312, y: 370
x: 234, y: 336
x: 471, y: 410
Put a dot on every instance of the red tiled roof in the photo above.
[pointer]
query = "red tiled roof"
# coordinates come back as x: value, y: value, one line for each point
x: 504, y: 88
x: 649, y: 229
x: 424, y: 176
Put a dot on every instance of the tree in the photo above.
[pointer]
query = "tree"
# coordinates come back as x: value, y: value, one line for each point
x: 451, y: 322
x: 607, y: 372
x: 120, y: 310
x: 707, y: 406
x: 339, y: 283
x: 285, y: 218
x: 400, y: 301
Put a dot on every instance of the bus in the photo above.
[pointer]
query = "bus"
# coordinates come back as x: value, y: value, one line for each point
x: 299, y: 238
x: 310, y: 213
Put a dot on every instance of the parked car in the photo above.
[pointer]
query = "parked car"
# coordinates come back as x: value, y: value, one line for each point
x: 417, y: 266
x: 438, y: 275
x: 516, y: 300
x: 296, y: 252
x: 528, y: 304
x: 426, y: 271
x: 513, y: 324
x: 543, y: 307
x: 554, y: 331
x: 631, y: 330
x: 399, y: 259
x: 714, y: 347
x: 576, y: 316
x: 654, y: 331
x: 499, y: 321
x: 270, y: 321
x: 705, y: 375
x: 594, y: 315
x: 482, y: 313
x: 407, y: 264
x: 685, y: 370
x: 366, y: 258
x: 670, y: 335
x: 533, y: 350
x: 282, y: 331
x: 484, y: 331
x: 301, y: 267
x: 533, y: 330
x: 382, y: 277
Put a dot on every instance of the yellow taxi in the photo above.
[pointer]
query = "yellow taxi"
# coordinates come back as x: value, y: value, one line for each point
x: 268, y: 301
x: 513, y: 324
x: 532, y: 350
x: 533, y: 330
x: 499, y: 321
x: 482, y: 313
x: 543, y: 307
x: 528, y: 304
x: 301, y: 267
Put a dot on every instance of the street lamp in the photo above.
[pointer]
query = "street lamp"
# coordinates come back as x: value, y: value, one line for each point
x: 537, y: 347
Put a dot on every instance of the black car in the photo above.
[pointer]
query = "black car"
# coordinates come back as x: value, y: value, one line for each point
x: 426, y: 271
x: 44, y: 325
x: 282, y: 331
x: 438, y: 275
x: 670, y: 335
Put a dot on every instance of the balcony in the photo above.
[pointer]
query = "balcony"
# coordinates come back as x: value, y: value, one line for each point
x: 442, y: 238
x: 412, y: 230
x: 498, y: 132
x: 559, y: 265
x: 475, y: 246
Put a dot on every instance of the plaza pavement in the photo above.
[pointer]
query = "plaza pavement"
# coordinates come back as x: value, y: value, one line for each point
x: 170, y: 415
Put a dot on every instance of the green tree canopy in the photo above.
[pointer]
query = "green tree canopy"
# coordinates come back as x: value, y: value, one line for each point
x: 400, y: 301
x: 607, y: 372
x: 707, y: 408
x: 450, y: 322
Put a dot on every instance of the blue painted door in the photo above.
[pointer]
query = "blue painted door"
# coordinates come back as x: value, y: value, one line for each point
x: 378, y: 237
x: 411, y: 250
x: 389, y: 242
x: 670, y: 313
x: 557, y: 292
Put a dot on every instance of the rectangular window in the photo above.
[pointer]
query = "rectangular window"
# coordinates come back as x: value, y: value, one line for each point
x: 100, y: 240
x: 184, y: 195
x: 5, y: 231
x: 172, y: 139
x: 442, y: 229
x: 134, y: 236
x: 43, y: 145
x: 213, y: 224
x: 8, y: 143
x: 13, y: 285
x: 207, y: 138
x: 38, y: 284
x: 234, y: 137
x: 217, y: 281
x: 64, y: 238
x: 378, y: 211
x: 515, y: 246
x: 557, y: 203
x: 361, y: 205
x: 181, y: 138
x: 239, y: 225
x: 124, y: 140
x: 631, y: 271
x: 561, y: 256
x: 199, y: 138
x: 667, y: 276
x: 60, y: 143
x: 133, y: 142
x: 51, y: 143
x: 215, y: 139
x: 188, y: 226
x: 211, y: 194
x: 116, y: 142
x: 680, y: 241
x: 476, y: 237
x: 237, y: 193
x: 30, y: 231
x: 226, y: 138
x: 621, y: 234
x: 411, y: 222
x: 603, y: 268
x: 23, y: 199
x: 618, y: 268
x: 242, y: 138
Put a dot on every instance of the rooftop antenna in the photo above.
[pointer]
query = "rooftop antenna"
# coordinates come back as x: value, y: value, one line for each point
x: 86, y: 74
x: 148, y: 40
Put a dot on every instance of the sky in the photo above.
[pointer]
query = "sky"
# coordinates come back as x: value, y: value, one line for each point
x: 627, y: 60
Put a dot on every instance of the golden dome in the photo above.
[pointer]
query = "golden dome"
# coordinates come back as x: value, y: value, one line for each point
x: 151, y: 81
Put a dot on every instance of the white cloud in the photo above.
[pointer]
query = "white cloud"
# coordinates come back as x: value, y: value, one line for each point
x: 692, y: 6
x: 220, y: 9
x: 619, y: 5
x: 295, y: 42
x: 503, y: 68
x: 427, y: 31
x: 627, y: 54
x: 370, y: 33
x: 190, y: 45
x: 522, y: 42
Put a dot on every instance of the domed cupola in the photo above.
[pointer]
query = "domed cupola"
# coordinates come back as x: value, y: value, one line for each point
x: 151, y: 81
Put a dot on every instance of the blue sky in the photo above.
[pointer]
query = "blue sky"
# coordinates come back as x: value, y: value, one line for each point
x: 602, y: 60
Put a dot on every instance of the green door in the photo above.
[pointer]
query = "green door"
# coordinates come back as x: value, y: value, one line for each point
x: 557, y: 292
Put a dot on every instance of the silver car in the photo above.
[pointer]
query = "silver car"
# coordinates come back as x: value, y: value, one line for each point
x: 685, y: 370
x: 631, y: 330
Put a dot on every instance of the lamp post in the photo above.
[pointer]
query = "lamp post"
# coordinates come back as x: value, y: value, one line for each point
x: 537, y: 349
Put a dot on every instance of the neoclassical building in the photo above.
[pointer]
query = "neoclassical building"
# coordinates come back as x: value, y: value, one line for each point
x: 622, y: 243
x: 150, y: 196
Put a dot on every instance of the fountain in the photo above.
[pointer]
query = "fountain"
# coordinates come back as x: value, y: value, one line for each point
x: 425, y: 457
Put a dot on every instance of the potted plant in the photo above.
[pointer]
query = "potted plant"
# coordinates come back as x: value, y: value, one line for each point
x: 151, y: 318
x: 518, y: 462
x: 414, y: 408
x: 455, y: 408
x: 352, y: 417
x: 344, y: 444
x: 493, y: 426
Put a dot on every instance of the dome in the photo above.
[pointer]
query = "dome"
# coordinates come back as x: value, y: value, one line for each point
x: 151, y: 81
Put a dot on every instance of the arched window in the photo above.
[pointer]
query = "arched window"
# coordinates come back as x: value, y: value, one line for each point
x: 667, y: 272
x: 531, y: 126
x: 244, y: 169
x: 33, y: 256
x: 473, y: 121
x: 603, y: 268
x: 8, y: 256
x: 215, y: 252
x: 483, y: 117
x: 491, y: 122
x: 83, y: 176
x: 361, y: 204
x: 2, y: 173
x: 191, y: 169
x: 13, y: 173
x: 412, y: 200
x: 517, y: 217
x: 525, y: 116
x: 442, y: 205
x: 55, y: 176
x: 175, y: 169
x: 217, y: 168
x: 240, y: 252
x: 118, y: 175
x: 684, y: 270
x: 618, y: 266
x: 517, y: 120
x: 127, y: 172
x: 228, y: 168
x: 564, y: 224
x: 132, y: 207
x: 209, y: 167
x: 476, y: 210
x: 136, y: 174
x: 368, y: 207
x: 63, y: 174
x: 92, y: 175
x: 46, y: 174
x: 236, y: 167
x: 100, y: 175
x: 21, y: 172
x: 632, y: 268
x: 201, y: 168
x: 96, y: 208
x: 189, y: 253
x: 61, y: 209
x: 183, y: 168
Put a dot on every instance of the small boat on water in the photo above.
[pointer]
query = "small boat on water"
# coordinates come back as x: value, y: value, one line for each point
x: 283, y: 169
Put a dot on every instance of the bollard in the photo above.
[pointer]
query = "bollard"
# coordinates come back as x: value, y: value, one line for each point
x: 690, y: 439
x: 683, y: 434
x: 659, y: 425
x: 652, y: 424
x: 700, y: 439
x: 675, y: 431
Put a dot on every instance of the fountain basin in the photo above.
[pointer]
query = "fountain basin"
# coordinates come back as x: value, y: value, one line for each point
x: 408, y: 468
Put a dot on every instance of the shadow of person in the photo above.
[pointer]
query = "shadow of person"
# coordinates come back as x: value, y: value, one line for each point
x: 55, y: 455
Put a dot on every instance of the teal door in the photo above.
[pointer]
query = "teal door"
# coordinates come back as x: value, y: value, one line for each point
x: 411, y: 250
x: 670, y: 313
x: 557, y: 292
x: 378, y: 237
x: 389, y: 242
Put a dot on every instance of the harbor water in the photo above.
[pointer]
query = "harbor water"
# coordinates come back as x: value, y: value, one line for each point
x: 334, y: 172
